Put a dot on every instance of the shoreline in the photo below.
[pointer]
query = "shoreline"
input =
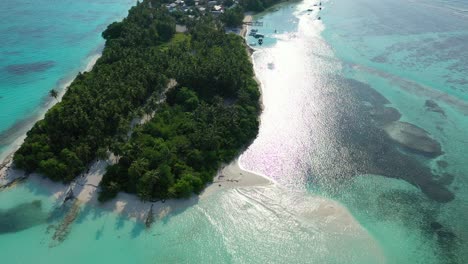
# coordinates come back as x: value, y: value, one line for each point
x: 85, y: 190
x: 248, y: 17
x: 85, y: 187
x: 250, y: 51
x: 62, y: 86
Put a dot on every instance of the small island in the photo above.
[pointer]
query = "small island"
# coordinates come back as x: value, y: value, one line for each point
x: 195, y: 90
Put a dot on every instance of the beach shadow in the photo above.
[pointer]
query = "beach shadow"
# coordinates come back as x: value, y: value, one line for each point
x: 99, y: 233
x: 179, y: 208
x: 120, y: 223
x: 137, y: 229
x: 22, y: 217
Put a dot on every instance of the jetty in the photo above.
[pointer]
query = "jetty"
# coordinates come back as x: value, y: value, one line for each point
x: 254, y: 23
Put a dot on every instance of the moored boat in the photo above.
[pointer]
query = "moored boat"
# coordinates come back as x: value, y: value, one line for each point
x: 258, y: 35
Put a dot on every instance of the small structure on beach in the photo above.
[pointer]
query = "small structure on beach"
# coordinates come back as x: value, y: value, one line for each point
x: 171, y: 7
x: 217, y: 10
x: 254, y: 23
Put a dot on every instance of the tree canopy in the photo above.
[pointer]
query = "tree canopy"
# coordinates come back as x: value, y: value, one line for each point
x: 99, y: 104
x: 257, y: 5
x: 233, y: 17
x: 206, y: 120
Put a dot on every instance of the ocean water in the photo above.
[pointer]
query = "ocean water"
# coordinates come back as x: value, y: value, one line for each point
x: 414, y: 51
x: 43, y: 45
x: 322, y: 80
x: 246, y: 225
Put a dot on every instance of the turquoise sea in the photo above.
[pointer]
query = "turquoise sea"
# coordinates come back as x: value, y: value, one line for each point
x: 328, y: 86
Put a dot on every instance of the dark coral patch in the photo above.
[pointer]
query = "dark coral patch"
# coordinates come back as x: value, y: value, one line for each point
x: 431, y: 105
x: 26, y: 68
x: 442, y: 164
x: 355, y: 116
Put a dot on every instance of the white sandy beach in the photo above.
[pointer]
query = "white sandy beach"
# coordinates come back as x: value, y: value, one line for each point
x: 334, y: 218
x: 247, y: 18
x: 85, y: 189
x: 329, y: 217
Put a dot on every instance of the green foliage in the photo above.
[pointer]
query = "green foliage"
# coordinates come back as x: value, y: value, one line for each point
x: 228, y: 3
x: 233, y: 17
x: 99, y: 104
x: 257, y: 5
x: 189, y: 2
x: 253, y: 5
x: 113, y: 31
x: 187, y: 98
x: 53, y: 93
x: 53, y: 168
x: 206, y: 120
x: 182, y: 189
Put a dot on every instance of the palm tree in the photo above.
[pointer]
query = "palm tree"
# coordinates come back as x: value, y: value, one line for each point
x: 53, y: 93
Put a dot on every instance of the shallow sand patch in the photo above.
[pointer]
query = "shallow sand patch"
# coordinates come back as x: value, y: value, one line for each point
x: 413, y: 138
